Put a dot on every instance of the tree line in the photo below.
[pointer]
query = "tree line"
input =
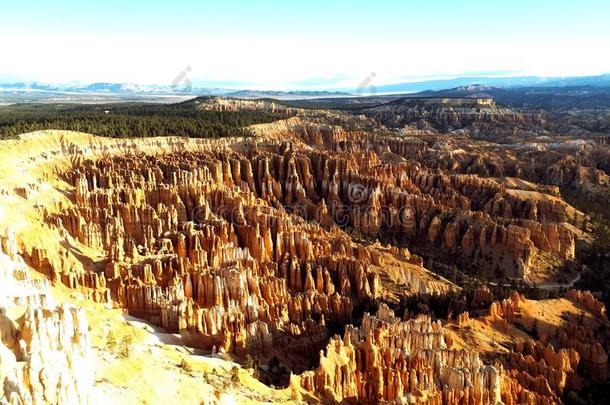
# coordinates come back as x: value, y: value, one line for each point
x: 130, y: 120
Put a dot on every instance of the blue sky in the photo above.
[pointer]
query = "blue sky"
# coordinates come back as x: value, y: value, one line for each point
x: 281, y: 44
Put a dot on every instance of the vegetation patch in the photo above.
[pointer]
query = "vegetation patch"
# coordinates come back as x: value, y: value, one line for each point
x: 124, y: 120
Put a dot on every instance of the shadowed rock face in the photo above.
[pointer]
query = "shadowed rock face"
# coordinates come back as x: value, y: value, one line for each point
x: 270, y: 247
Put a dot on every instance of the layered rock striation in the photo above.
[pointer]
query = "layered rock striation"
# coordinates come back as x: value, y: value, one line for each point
x: 44, y: 347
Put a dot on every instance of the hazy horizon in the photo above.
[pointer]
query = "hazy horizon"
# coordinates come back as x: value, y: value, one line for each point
x: 234, y: 85
x: 306, y: 46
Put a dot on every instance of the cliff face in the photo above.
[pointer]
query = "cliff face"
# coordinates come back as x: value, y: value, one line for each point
x: 387, y: 192
x: 44, y: 350
x: 449, y: 113
x: 236, y: 104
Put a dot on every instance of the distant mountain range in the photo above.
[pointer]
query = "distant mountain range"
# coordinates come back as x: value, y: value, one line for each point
x: 110, y: 88
x: 38, y: 90
x: 583, y: 96
x: 488, y: 86
x: 502, y: 82
x: 521, y: 97
x: 286, y: 95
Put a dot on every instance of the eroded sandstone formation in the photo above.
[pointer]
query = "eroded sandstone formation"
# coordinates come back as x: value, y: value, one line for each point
x: 477, y: 218
x: 44, y: 348
x: 393, y: 361
x: 577, y: 340
x: 448, y: 113
x: 586, y: 299
x: 269, y: 246
x: 194, y: 252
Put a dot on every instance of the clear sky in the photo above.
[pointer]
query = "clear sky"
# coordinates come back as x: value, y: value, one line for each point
x: 306, y: 44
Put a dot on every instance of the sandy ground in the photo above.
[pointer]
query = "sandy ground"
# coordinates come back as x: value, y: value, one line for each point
x: 494, y: 335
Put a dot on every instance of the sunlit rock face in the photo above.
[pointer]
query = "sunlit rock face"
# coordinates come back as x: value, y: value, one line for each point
x: 44, y: 351
x: 390, y: 360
